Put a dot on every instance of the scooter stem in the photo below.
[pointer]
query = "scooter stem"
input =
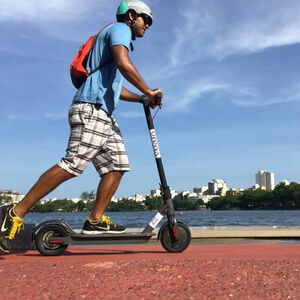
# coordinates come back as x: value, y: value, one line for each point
x: 165, y: 190
x: 163, y: 181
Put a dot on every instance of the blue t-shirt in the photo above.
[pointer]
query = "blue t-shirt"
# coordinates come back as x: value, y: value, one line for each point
x: 104, y: 86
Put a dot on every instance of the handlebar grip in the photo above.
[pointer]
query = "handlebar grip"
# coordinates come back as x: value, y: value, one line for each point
x: 146, y: 101
x: 158, y: 97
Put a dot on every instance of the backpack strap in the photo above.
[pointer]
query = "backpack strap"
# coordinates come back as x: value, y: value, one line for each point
x: 92, y: 48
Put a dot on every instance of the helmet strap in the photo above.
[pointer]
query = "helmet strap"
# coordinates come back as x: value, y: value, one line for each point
x: 132, y: 23
x: 133, y: 29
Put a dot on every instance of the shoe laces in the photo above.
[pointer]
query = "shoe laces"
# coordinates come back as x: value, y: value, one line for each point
x: 17, y: 226
x: 106, y: 219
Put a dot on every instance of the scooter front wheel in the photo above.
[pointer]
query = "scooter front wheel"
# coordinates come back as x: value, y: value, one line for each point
x: 168, y: 242
x: 42, y: 240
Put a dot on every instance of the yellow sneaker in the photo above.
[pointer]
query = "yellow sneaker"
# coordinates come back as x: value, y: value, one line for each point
x: 105, y: 225
x: 10, y: 226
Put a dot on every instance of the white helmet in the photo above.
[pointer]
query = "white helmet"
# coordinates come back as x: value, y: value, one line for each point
x: 139, y: 7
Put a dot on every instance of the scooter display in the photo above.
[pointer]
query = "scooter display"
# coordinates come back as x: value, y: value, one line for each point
x: 52, y: 237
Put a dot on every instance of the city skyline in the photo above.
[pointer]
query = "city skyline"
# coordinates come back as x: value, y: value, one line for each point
x: 214, y: 187
x: 229, y: 71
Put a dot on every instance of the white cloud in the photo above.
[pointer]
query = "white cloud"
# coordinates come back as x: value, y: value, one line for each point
x: 234, y: 92
x: 288, y: 94
x: 215, y: 29
x: 210, y: 31
x: 195, y: 91
x: 49, y: 116
x: 273, y: 149
x: 129, y: 114
x: 62, y: 19
x: 55, y: 116
x: 32, y: 10
x: 198, y: 90
x: 14, y: 117
x: 43, y: 11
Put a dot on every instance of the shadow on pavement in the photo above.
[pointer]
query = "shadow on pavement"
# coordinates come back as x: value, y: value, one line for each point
x: 101, y: 252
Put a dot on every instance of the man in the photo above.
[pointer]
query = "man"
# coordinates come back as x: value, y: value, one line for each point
x: 95, y: 135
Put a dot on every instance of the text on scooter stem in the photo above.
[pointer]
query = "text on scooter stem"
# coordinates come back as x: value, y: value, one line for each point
x: 154, y: 143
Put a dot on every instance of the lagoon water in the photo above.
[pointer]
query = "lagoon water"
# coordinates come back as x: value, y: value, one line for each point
x: 191, y: 218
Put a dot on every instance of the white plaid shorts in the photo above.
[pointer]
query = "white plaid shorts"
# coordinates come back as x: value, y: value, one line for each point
x: 95, y: 136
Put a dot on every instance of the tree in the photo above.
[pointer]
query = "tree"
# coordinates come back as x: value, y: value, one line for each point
x: 81, y: 206
x: 88, y: 195
x: 5, y: 199
x: 125, y: 205
x: 155, y: 203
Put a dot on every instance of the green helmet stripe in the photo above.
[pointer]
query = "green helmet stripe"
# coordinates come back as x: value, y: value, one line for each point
x: 123, y: 8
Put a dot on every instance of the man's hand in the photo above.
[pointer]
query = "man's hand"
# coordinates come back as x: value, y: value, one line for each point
x: 155, y: 97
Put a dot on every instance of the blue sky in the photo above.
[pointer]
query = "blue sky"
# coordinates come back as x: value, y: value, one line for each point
x: 229, y: 70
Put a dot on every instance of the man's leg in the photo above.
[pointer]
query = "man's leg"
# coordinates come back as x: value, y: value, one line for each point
x: 12, y: 218
x: 106, y: 189
x: 45, y: 184
x: 98, y: 223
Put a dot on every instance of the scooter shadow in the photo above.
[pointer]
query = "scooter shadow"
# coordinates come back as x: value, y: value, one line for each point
x: 97, y: 252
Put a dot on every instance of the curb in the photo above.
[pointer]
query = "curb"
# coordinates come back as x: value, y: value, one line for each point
x: 272, y: 232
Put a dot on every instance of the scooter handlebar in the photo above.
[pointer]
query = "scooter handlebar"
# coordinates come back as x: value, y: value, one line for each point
x: 158, y: 98
x: 146, y: 101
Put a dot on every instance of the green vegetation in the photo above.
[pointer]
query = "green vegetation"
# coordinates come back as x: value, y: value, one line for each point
x: 282, y: 197
x: 183, y: 203
x: 87, y: 201
x: 125, y: 205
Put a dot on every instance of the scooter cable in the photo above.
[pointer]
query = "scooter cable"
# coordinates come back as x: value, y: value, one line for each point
x: 158, y: 108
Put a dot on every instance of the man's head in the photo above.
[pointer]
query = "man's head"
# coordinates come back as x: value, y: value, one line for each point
x: 136, y: 14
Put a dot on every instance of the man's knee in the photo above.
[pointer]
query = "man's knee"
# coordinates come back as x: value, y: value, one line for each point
x: 121, y: 173
x: 113, y: 174
x: 118, y: 174
x: 57, y: 172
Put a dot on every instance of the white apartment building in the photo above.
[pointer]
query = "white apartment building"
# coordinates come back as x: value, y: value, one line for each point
x: 137, y: 198
x: 11, y: 196
x: 265, y: 180
x: 157, y: 193
x: 201, y: 190
x: 217, y: 187
x: 207, y: 198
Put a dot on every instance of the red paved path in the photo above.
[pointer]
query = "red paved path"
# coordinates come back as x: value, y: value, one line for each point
x: 133, y: 272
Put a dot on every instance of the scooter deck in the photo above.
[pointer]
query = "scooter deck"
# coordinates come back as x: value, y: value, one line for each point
x: 103, y: 238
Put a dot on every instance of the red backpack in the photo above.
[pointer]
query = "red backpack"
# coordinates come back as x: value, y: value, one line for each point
x: 78, y: 71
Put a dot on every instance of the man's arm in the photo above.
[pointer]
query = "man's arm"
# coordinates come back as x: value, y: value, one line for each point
x: 128, y: 70
x: 127, y: 95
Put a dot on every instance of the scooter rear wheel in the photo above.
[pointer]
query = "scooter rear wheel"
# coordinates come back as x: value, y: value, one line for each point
x: 42, y: 240
x: 171, y: 245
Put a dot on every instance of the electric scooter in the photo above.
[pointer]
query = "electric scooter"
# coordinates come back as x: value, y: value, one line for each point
x: 52, y: 237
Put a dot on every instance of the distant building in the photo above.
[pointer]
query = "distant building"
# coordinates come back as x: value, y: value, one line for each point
x: 265, y: 180
x: 193, y: 196
x: 217, y: 187
x: 137, y: 198
x: 201, y: 190
x: 157, y: 193
x: 207, y: 198
x: 234, y: 191
x: 9, y: 196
